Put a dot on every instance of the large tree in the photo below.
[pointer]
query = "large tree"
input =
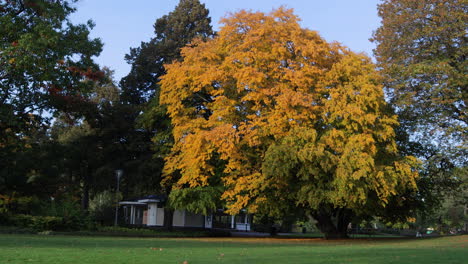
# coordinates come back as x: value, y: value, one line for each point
x: 46, y: 67
x: 421, y: 49
x: 296, y: 121
x: 172, y: 32
x: 140, y: 88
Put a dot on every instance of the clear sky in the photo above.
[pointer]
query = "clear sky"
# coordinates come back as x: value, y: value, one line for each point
x: 123, y: 24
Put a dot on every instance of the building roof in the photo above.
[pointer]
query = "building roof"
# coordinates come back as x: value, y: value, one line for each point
x: 144, y: 200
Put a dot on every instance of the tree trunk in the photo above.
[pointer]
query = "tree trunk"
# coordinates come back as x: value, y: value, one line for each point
x: 465, y: 223
x: 85, y: 197
x: 272, y: 228
x: 333, y: 223
x: 85, y: 191
x: 286, y: 224
x: 168, y: 218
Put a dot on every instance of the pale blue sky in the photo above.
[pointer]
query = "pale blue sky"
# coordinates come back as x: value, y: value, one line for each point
x: 124, y: 24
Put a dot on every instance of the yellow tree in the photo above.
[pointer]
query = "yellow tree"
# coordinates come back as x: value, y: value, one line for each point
x: 296, y: 121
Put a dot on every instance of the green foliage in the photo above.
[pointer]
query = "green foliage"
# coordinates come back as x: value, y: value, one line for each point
x: 200, y: 200
x: 421, y: 49
x: 46, y: 68
x: 172, y: 32
x: 46, y: 64
x: 102, y: 207
x: 21, y: 204
x: 126, y: 230
x: 95, y: 147
x: 37, y: 223
x: 68, y: 209
x: 143, y: 232
x: 451, y: 210
x: 15, y: 230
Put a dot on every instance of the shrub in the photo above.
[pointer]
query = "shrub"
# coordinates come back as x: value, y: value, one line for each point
x: 37, y: 223
x: 16, y: 230
x: 102, y: 207
x: 4, y: 218
x: 68, y: 208
x: 144, y: 232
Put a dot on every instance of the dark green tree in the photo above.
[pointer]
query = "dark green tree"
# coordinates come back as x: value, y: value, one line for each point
x: 172, y: 32
x: 140, y: 88
x: 421, y: 50
x: 104, y: 140
x: 46, y: 67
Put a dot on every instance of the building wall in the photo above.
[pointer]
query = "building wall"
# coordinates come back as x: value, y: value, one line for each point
x: 145, y: 217
x: 160, y: 216
x: 178, y: 219
x: 181, y: 218
x: 194, y: 220
x: 151, y: 214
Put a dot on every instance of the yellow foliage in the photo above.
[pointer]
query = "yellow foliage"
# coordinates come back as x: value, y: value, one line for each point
x: 281, y: 107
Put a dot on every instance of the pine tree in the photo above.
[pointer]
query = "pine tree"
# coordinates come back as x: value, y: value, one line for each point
x: 140, y: 88
x: 172, y: 32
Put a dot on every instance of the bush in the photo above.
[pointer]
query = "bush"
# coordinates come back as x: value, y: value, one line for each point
x: 144, y: 232
x: 69, y: 210
x: 218, y: 233
x: 4, y: 218
x: 102, y: 207
x: 16, y: 230
x: 37, y: 223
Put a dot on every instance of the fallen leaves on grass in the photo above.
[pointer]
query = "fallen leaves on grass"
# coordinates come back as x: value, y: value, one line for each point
x: 153, y: 248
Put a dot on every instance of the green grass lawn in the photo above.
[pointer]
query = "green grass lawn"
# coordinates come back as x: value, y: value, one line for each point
x: 111, y: 250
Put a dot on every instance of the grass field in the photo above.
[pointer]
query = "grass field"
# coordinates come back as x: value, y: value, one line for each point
x: 72, y: 249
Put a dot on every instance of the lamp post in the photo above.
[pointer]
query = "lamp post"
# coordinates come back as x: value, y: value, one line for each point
x: 118, y: 175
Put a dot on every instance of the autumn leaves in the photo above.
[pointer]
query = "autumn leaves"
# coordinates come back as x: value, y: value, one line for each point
x: 297, y: 120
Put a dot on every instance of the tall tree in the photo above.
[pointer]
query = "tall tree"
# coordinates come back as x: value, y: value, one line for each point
x: 140, y: 88
x: 422, y: 48
x: 172, y: 32
x: 421, y: 51
x: 297, y: 122
x: 92, y: 140
x: 103, y: 141
x: 45, y: 66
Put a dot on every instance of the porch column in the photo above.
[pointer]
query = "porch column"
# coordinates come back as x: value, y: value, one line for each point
x: 155, y: 214
x: 132, y: 214
x: 208, y: 221
x: 183, y: 218
x: 232, y: 221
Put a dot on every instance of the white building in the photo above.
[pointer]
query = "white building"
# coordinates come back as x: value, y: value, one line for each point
x: 149, y: 211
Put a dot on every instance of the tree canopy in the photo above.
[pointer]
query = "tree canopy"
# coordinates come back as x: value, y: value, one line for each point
x: 172, y: 32
x: 140, y: 88
x: 46, y: 68
x: 296, y: 120
x: 421, y: 49
x: 421, y: 52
